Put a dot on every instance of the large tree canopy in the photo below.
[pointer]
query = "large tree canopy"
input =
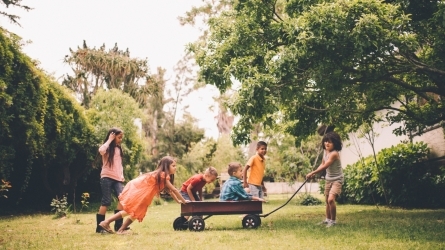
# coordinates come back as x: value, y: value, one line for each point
x: 303, y: 63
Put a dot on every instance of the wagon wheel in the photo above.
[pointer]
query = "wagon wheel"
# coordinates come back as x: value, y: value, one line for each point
x: 180, y: 223
x: 251, y: 221
x: 259, y: 220
x: 196, y: 224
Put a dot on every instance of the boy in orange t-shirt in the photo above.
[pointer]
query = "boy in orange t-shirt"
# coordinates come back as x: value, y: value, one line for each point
x: 257, y: 166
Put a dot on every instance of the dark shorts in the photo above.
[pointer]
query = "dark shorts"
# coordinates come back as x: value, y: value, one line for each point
x: 186, y: 196
x: 107, y: 185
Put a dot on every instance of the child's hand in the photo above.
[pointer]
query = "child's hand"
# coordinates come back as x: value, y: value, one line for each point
x: 310, y: 175
x: 262, y: 200
x: 112, y: 136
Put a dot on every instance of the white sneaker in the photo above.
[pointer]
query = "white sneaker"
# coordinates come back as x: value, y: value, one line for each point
x: 330, y: 224
x: 325, y: 222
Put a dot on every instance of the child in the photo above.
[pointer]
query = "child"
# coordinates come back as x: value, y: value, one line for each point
x: 139, y: 192
x: 111, y: 175
x: 334, y: 174
x: 192, y: 188
x: 257, y: 165
x: 232, y: 189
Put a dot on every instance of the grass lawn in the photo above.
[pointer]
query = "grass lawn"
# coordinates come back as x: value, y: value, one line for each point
x: 292, y: 227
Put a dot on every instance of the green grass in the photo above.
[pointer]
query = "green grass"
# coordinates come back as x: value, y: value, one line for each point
x: 292, y: 227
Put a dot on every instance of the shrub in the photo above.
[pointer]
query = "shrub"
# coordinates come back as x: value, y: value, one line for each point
x: 60, y: 207
x: 401, y: 177
x: 308, y: 200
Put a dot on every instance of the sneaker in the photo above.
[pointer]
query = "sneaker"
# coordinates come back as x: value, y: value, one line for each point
x: 330, y: 224
x: 325, y: 222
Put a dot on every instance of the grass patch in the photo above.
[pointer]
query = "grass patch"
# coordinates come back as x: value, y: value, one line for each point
x: 291, y: 227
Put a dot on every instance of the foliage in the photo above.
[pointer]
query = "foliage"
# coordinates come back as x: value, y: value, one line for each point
x: 16, y: 3
x: 113, y: 108
x: 405, y: 174
x: 96, y: 69
x: 47, y: 143
x: 213, y: 153
x: 286, y: 161
x: 4, y: 186
x: 60, y: 206
x: 84, y: 202
x: 337, y: 62
x: 308, y: 200
x: 167, y: 134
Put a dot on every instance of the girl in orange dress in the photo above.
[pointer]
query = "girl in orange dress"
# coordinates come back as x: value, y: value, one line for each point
x: 139, y: 192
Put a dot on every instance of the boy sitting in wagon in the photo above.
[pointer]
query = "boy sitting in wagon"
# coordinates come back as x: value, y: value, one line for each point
x: 233, y: 190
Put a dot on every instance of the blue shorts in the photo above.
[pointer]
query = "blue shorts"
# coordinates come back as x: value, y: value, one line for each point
x: 186, y: 196
x: 256, y: 191
x: 107, y: 185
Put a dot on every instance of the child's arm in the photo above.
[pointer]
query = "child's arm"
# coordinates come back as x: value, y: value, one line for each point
x: 103, y: 148
x: 324, y: 165
x: 190, y: 192
x: 174, y: 192
x: 254, y: 198
x: 245, y: 184
x: 264, y: 187
x: 200, y: 194
x: 239, y: 191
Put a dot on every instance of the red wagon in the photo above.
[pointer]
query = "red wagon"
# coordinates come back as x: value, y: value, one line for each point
x: 198, y: 209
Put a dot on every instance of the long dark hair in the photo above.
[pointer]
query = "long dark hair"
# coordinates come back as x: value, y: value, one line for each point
x: 334, y: 138
x: 163, y: 166
x: 111, y: 147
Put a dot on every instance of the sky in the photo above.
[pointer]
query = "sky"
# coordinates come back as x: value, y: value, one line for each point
x: 149, y: 29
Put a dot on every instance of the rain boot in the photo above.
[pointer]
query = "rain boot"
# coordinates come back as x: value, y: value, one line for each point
x: 99, y: 219
x: 118, y: 223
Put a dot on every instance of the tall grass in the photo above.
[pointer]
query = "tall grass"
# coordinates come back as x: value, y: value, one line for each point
x: 292, y: 227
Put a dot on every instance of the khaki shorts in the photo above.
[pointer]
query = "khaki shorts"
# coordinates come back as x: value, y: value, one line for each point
x: 332, y: 187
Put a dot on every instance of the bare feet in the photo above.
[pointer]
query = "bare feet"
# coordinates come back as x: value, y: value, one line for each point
x: 124, y: 232
x: 106, y: 227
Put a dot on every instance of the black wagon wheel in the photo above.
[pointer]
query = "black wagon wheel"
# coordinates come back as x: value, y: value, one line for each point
x: 251, y: 221
x: 196, y: 224
x: 259, y: 220
x: 180, y: 223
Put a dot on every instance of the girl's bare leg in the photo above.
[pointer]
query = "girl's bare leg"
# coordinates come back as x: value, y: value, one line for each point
x: 124, y: 226
x: 106, y: 223
x: 332, y: 206
x: 328, y: 210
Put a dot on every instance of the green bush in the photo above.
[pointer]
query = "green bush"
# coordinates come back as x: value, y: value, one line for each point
x: 401, y: 177
x: 308, y: 200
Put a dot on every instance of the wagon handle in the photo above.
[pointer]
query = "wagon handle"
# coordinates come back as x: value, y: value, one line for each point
x: 265, y: 215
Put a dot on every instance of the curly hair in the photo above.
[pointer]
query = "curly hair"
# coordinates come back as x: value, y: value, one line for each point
x: 334, y: 138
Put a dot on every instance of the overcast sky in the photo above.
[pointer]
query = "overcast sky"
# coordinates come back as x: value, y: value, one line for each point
x: 149, y: 29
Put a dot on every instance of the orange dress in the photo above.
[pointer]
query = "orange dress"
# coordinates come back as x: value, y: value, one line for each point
x: 139, y: 193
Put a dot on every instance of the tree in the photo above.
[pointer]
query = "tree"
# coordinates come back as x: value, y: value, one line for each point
x: 96, y: 69
x: 113, y: 108
x: 303, y: 63
x: 16, y: 3
x: 46, y: 140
